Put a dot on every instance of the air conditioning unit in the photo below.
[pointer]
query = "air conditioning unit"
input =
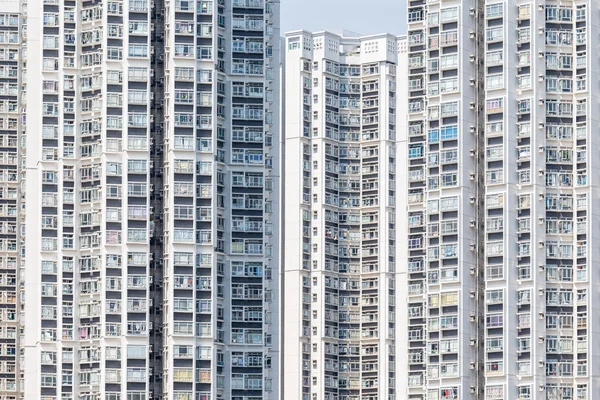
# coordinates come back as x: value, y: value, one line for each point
x: 472, y: 58
x: 472, y: 129
x: 472, y: 294
x: 473, y: 35
x: 472, y: 223
x: 473, y: 365
x: 541, y: 315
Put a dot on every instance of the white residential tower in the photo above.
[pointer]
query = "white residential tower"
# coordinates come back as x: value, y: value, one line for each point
x: 340, y: 216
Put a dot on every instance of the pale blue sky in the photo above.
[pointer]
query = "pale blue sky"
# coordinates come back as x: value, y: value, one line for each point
x: 360, y: 16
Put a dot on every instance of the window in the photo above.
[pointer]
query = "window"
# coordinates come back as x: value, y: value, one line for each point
x: 494, y: 296
x: 494, y: 320
x: 136, y: 396
x: 204, y: 53
x: 494, y: 10
x: 137, y: 351
x: 449, y: 132
x: 138, y: 50
x: 48, y: 380
x: 495, y: 81
x: 448, y: 85
x: 138, y: 120
x: 137, y: 166
x: 138, y: 27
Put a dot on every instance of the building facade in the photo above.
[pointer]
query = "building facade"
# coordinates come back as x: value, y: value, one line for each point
x: 88, y: 265
x: 435, y: 239
x: 11, y: 127
x: 340, y: 216
x: 443, y: 203
x: 151, y: 176
x: 541, y: 198
x: 500, y: 201
x: 221, y: 187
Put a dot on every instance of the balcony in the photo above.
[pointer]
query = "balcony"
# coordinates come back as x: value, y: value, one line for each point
x: 416, y: 380
x: 494, y: 153
x: 559, y: 37
x: 494, y: 177
x: 493, y: 368
x: 449, y: 38
x: 416, y: 14
x: 416, y: 38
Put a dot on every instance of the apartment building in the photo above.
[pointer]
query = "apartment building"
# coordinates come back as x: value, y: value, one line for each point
x: 499, y: 248
x: 540, y: 189
x: 88, y: 266
x: 10, y: 200
x: 340, y: 216
x: 442, y: 252
x: 443, y: 307
x: 221, y: 171
x: 150, y: 268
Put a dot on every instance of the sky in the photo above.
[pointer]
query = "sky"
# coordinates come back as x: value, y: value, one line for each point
x: 365, y: 17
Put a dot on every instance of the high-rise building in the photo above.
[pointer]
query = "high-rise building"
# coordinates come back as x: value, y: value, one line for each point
x: 152, y: 199
x: 88, y: 257
x: 438, y: 213
x: 221, y: 193
x: 444, y: 242
x: 340, y: 216
x: 501, y: 201
x: 10, y: 198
